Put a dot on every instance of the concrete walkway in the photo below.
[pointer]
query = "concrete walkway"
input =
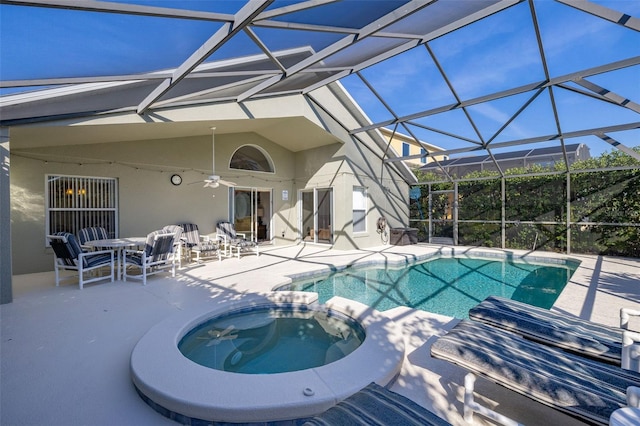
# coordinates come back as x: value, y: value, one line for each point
x: 65, y: 352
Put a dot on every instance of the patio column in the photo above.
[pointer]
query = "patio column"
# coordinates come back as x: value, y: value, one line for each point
x: 6, y: 294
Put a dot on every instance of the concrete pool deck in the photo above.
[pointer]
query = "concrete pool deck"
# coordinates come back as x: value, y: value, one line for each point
x: 65, y: 352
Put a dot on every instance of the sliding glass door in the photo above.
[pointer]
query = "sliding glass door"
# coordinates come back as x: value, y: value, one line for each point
x: 251, y: 210
x: 316, y: 215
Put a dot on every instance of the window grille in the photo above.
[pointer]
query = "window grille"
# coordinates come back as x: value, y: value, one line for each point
x: 76, y: 202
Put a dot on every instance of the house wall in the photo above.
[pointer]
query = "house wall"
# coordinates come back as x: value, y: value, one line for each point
x: 147, y: 199
x: 341, y: 167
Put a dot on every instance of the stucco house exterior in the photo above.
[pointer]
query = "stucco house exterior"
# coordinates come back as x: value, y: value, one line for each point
x: 406, y: 146
x: 300, y: 176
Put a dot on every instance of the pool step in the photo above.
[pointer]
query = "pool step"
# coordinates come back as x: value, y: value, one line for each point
x: 442, y: 240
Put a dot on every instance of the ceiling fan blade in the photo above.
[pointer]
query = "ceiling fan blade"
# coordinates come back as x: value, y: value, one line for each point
x: 226, y: 182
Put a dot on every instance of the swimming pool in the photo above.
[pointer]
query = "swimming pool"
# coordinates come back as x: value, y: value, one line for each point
x: 445, y: 285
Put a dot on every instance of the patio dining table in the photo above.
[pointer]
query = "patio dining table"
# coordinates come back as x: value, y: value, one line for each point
x: 118, y: 245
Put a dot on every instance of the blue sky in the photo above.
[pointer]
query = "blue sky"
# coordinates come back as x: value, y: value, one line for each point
x: 501, y: 52
x: 491, y: 55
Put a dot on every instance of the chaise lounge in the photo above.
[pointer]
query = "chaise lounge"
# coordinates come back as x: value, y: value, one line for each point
x: 580, y: 387
x: 569, y: 333
x: 234, y: 241
x: 376, y: 405
x: 201, y: 245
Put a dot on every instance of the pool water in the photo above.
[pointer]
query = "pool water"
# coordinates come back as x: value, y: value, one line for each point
x: 268, y: 340
x: 447, y: 286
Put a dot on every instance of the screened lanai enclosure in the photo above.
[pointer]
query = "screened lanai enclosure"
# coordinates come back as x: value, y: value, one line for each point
x: 510, y: 88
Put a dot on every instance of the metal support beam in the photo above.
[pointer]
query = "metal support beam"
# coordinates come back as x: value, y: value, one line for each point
x: 292, y: 8
x: 568, y: 218
x: 345, y: 42
x: 6, y: 289
x: 226, y: 32
x: 614, y: 97
x: 614, y: 143
x: 510, y: 92
x: 123, y: 8
x: 494, y: 8
x: 544, y: 138
x: 503, y: 210
x: 604, y: 13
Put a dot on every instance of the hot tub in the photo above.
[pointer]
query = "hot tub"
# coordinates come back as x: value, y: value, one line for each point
x: 184, y: 390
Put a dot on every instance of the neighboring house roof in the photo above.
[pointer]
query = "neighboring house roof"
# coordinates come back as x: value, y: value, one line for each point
x: 532, y: 155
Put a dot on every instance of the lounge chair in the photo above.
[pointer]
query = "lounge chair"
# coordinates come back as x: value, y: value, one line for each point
x: 551, y: 328
x: 70, y: 256
x: 580, y: 387
x: 233, y: 241
x: 200, y: 245
x: 156, y: 257
x: 376, y: 405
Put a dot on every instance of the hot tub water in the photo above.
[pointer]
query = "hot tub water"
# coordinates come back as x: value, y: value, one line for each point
x: 267, y: 340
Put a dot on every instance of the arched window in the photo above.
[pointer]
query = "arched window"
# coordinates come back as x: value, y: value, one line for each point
x: 251, y: 157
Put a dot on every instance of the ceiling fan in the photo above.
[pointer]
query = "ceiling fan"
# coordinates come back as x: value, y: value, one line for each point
x: 214, y: 180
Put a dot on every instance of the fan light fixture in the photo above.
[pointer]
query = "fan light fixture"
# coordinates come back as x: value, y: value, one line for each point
x: 214, y: 181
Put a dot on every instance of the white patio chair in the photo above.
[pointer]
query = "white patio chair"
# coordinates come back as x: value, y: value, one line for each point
x: 70, y: 256
x: 91, y: 234
x: 177, y: 251
x: 155, y: 258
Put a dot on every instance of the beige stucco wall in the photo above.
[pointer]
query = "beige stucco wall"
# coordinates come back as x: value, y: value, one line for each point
x: 343, y: 166
x: 147, y: 199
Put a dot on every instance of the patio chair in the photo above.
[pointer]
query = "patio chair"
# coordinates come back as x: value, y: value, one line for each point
x: 376, y: 405
x: 234, y: 241
x: 91, y: 234
x: 70, y: 256
x: 178, y: 242
x: 155, y: 258
x: 579, y: 387
x: 563, y: 331
x: 201, y: 245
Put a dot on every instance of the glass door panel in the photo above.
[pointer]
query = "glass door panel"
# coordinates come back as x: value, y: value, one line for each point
x: 243, y: 211
x: 316, y: 216
x: 264, y: 215
x: 308, y: 227
x: 325, y: 215
x: 252, y: 212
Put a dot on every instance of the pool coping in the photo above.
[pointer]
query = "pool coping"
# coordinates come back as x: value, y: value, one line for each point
x: 185, y: 391
x: 399, y: 260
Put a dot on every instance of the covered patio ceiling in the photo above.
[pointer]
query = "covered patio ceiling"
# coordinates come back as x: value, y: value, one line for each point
x: 284, y: 131
x: 471, y: 77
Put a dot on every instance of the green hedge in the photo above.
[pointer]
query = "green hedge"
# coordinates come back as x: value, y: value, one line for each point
x: 605, y: 207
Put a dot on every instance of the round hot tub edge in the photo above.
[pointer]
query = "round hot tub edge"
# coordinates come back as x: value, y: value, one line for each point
x: 185, y: 391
